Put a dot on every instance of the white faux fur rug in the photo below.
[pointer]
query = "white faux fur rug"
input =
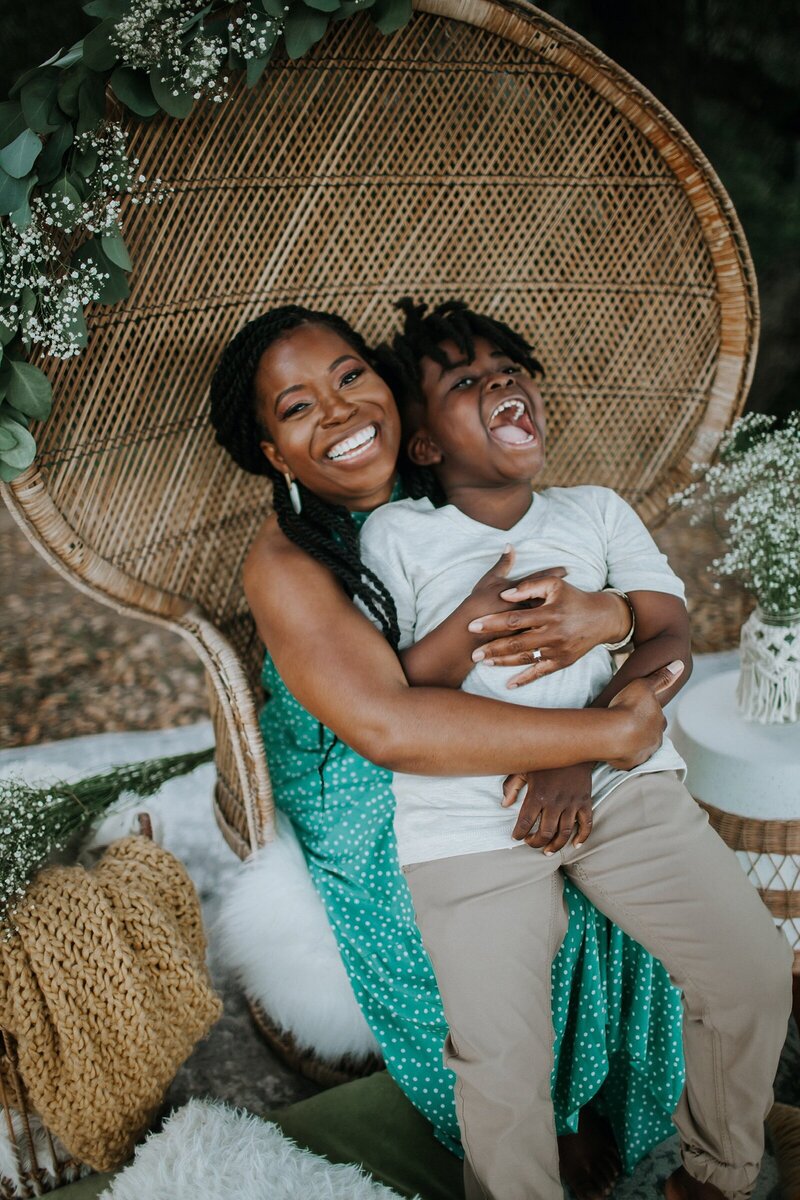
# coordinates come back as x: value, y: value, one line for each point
x: 208, y: 1150
x: 274, y: 936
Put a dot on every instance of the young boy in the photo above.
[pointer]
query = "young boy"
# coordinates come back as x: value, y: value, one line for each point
x: 644, y: 855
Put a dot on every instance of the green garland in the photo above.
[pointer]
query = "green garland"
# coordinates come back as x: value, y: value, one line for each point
x: 37, y: 822
x: 63, y: 166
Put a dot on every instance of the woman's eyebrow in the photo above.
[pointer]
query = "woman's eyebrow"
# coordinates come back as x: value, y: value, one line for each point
x: 342, y: 358
x: 295, y: 387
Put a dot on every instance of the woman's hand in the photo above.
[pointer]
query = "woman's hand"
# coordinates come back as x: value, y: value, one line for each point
x: 550, y: 626
x: 559, y: 800
x: 639, y: 700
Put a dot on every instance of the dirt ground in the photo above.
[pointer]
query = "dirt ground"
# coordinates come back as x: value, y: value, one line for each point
x: 70, y: 666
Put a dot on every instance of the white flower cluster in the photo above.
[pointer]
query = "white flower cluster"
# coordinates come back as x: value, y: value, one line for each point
x: 168, y: 34
x: 252, y: 35
x: 49, y: 292
x: 34, y: 826
x: 753, y: 493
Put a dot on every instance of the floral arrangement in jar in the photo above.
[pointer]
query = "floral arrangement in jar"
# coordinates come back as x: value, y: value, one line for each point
x: 752, y: 494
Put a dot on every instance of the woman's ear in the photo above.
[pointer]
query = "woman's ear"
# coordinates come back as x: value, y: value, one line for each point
x: 273, y: 456
x: 422, y: 450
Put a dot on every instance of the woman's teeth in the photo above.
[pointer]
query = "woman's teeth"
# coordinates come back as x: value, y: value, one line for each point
x: 353, y: 446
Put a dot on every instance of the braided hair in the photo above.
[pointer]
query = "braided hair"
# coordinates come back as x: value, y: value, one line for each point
x: 325, y: 531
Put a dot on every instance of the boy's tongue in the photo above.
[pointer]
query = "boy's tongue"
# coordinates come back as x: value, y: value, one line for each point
x: 511, y: 433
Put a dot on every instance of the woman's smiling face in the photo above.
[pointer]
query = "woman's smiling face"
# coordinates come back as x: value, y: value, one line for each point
x: 331, y: 420
x: 484, y: 420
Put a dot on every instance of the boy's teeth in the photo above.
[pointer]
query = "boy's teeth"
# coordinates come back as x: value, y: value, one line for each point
x: 348, y: 445
x: 515, y: 404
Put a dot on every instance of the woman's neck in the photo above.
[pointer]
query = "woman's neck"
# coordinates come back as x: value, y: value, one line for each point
x: 500, y: 507
x: 375, y: 499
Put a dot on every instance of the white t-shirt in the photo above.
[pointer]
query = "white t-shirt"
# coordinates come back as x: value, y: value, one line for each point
x: 430, y: 559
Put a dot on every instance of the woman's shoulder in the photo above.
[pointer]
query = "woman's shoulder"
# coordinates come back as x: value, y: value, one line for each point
x: 270, y: 554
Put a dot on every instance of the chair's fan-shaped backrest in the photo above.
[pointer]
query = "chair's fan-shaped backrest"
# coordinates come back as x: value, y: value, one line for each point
x: 480, y: 152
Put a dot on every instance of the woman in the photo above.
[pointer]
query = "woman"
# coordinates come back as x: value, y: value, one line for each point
x: 300, y: 397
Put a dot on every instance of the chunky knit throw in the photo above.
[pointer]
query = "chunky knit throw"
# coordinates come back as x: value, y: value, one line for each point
x: 105, y: 991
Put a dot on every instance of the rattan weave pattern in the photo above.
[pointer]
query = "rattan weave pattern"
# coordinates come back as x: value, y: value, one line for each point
x: 494, y: 156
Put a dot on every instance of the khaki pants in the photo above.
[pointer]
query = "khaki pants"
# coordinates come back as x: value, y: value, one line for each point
x: 492, y: 924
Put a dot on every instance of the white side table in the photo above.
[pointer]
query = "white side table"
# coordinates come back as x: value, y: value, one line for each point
x: 747, y: 777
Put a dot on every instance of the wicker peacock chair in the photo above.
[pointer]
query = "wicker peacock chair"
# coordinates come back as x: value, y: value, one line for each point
x: 483, y: 150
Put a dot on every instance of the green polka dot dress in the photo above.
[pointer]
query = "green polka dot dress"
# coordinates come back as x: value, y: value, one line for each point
x: 616, y: 1016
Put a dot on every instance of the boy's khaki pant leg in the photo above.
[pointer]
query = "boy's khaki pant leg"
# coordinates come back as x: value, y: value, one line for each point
x: 656, y: 868
x: 492, y: 924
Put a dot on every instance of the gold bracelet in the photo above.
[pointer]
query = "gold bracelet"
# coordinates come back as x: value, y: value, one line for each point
x: 612, y: 646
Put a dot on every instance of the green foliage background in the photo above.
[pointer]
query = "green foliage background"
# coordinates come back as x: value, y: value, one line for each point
x: 726, y: 68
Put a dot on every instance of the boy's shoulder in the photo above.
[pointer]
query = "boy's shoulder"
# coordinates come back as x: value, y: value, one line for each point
x: 397, y: 515
x: 590, y: 498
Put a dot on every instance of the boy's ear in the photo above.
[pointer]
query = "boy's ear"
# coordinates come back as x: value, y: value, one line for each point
x: 422, y: 450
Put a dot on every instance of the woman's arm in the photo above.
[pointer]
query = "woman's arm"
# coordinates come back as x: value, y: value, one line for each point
x: 561, y: 622
x: 342, y: 670
x: 662, y: 634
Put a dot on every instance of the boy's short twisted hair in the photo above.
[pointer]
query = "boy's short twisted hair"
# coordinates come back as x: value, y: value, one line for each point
x: 423, y: 333
x: 325, y: 531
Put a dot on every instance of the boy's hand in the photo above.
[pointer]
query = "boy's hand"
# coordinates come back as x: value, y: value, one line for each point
x: 638, y: 700
x: 559, y: 800
x: 547, y: 624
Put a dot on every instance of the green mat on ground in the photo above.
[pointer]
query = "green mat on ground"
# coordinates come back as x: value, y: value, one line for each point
x: 369, y: 1122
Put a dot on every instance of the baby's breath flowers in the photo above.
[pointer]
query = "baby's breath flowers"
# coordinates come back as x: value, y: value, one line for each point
x: 50, y: 285
x: 36, y: 823
x: 753, y: 495
x: 167, y: 37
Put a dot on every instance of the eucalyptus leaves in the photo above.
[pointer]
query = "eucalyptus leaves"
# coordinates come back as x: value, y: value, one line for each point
x: 64, y: 166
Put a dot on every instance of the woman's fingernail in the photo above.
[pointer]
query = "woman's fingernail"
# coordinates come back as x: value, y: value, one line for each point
x: 477, y: 655
x: 577, y: 845
x: 475, y: 626
x: 548, y: 853
x: 509, y: 593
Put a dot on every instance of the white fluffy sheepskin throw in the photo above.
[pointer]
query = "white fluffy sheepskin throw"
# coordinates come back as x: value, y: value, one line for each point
x: 274, y: 935
x: 207, y: 1150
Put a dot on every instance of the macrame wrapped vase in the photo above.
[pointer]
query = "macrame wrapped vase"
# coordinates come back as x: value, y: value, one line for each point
x: 769, y: 682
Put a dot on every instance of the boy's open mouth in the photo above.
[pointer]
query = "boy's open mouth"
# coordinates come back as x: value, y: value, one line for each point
x: 511, y: 423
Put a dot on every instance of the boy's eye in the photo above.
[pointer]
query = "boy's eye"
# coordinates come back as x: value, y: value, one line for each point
x: 513, y: 369
x: 460, y: 384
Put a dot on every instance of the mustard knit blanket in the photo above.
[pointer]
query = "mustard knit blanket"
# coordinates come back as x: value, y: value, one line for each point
x: 105, y: 991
